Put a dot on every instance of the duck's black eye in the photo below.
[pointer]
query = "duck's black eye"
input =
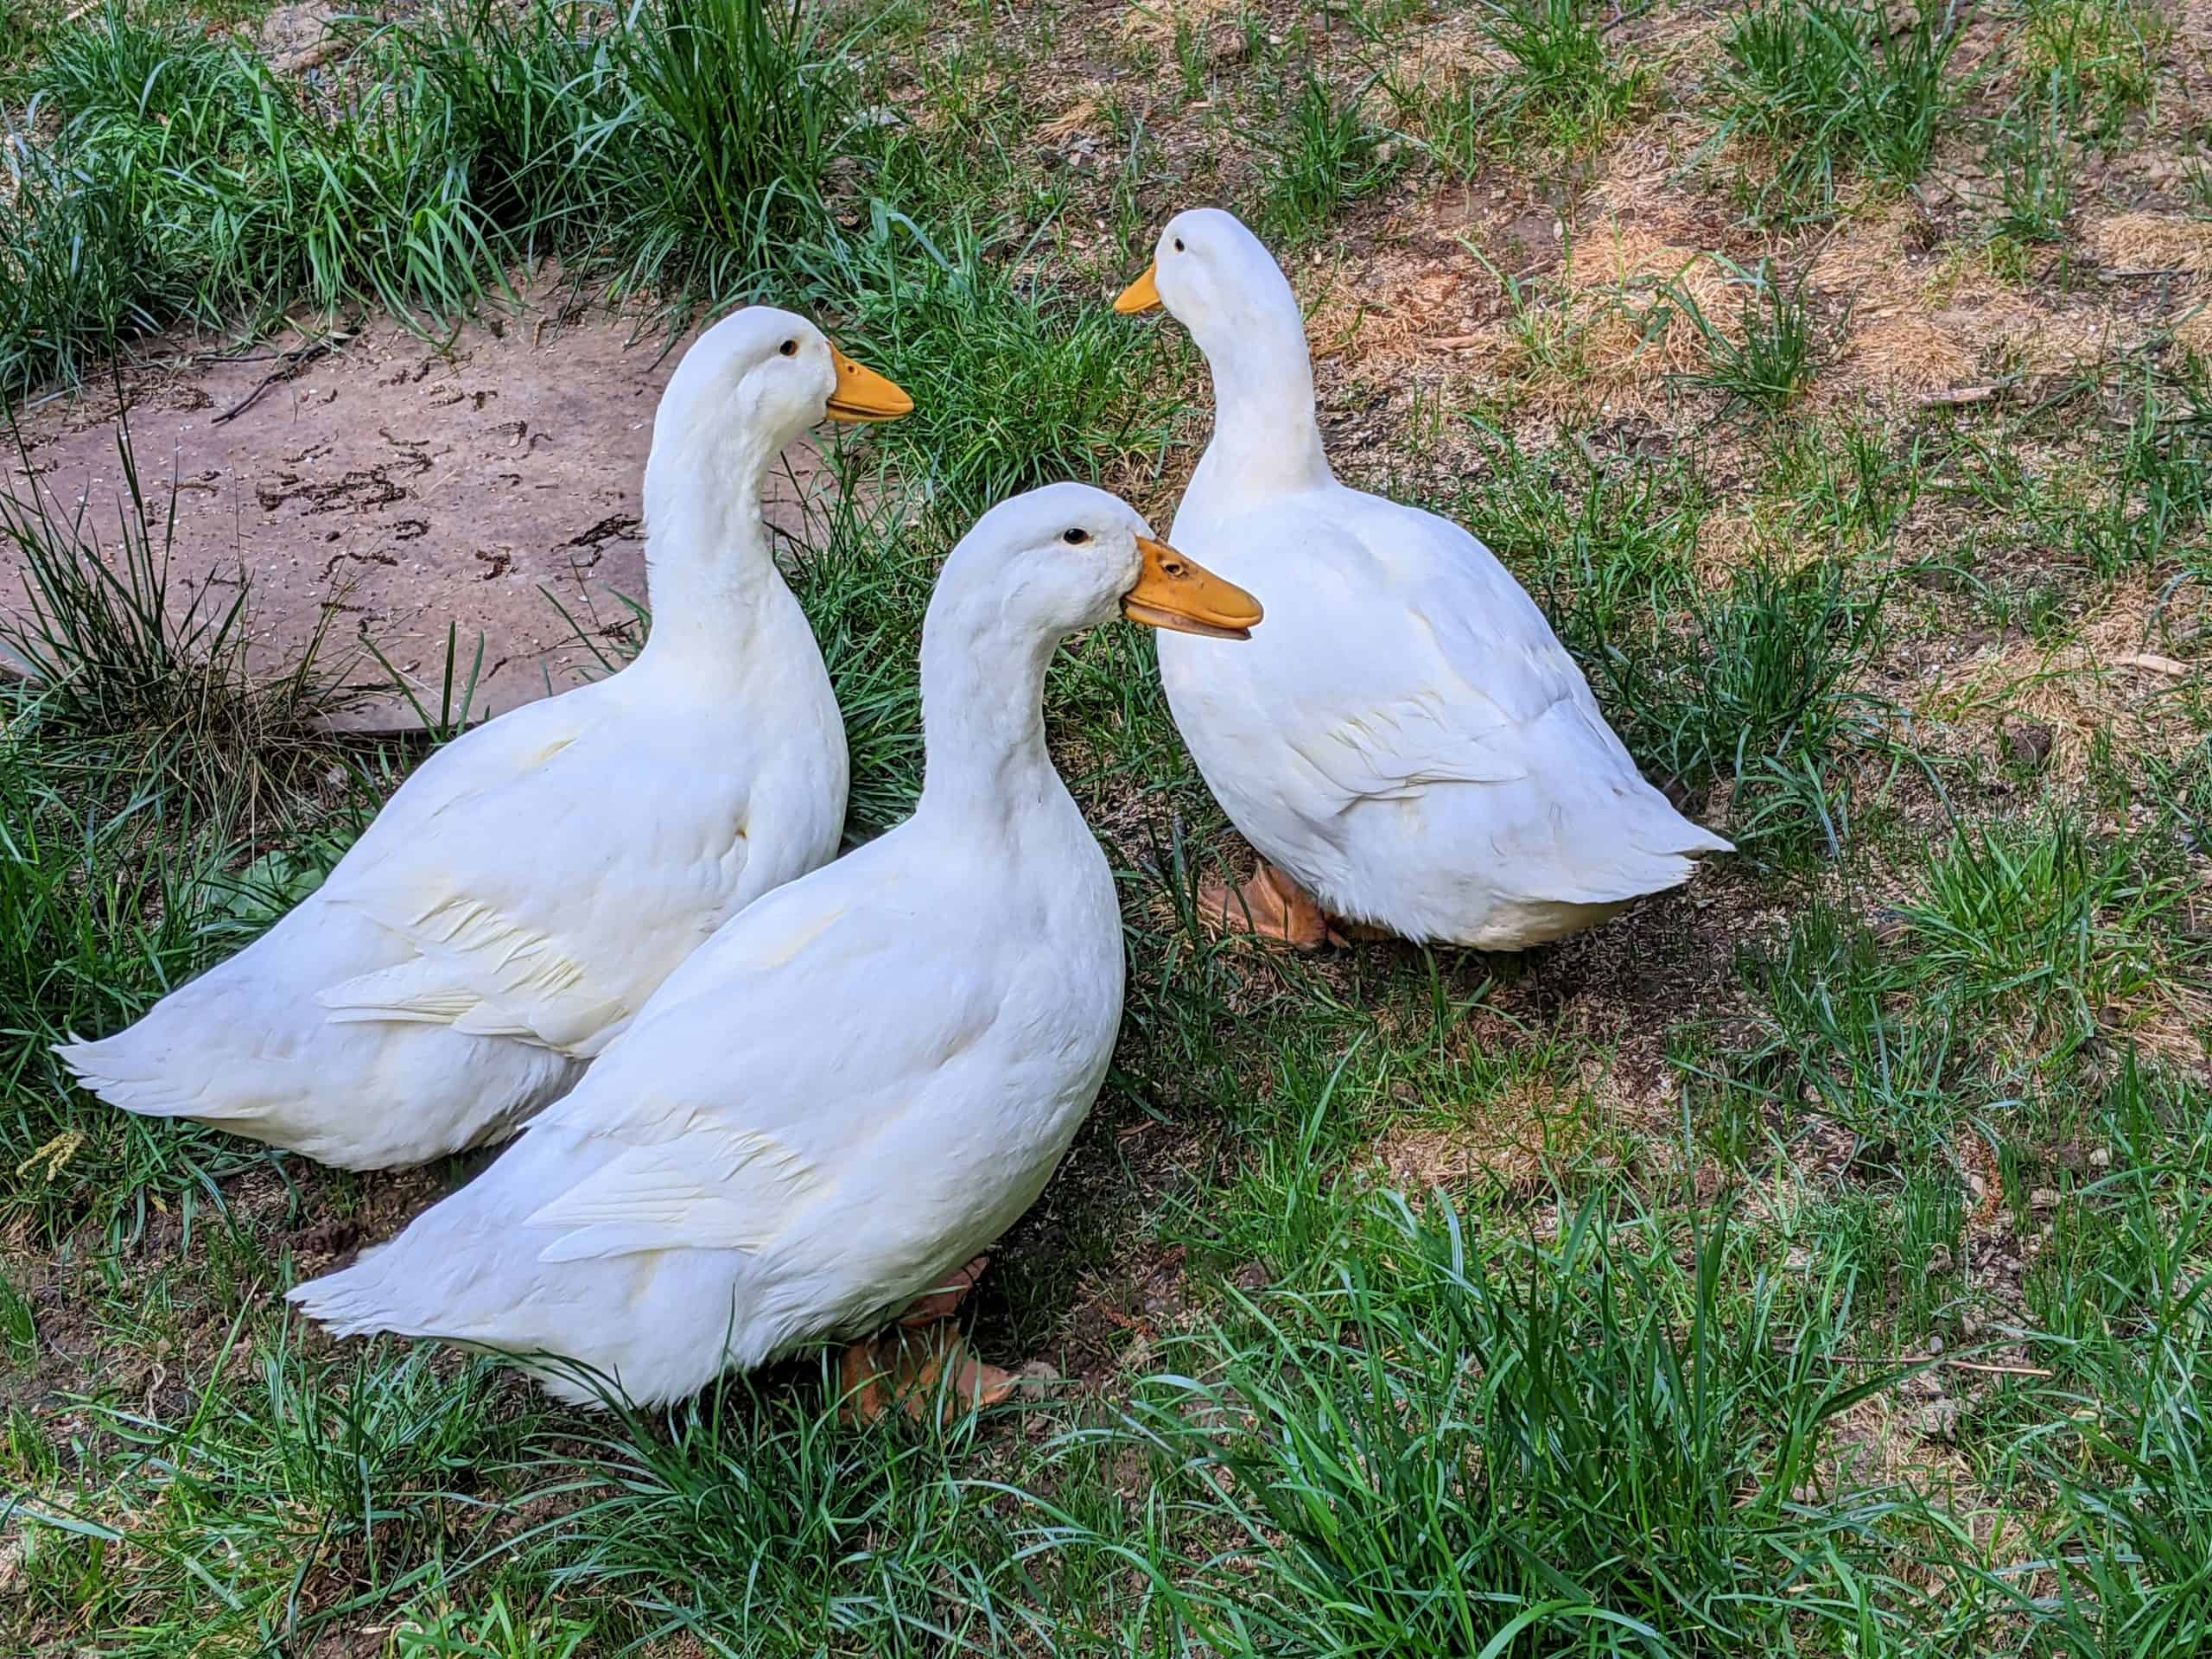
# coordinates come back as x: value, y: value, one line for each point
x: 1075, y: 538
x: 789, y: 348
x: 1178, y: 245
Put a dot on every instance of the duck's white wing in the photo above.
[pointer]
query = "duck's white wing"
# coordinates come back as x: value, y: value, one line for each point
x: 1422, y: 661
x: 531, y: 878
x: 809, y: 1026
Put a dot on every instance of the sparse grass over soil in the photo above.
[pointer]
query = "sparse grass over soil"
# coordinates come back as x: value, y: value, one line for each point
x: 1811, y: 1262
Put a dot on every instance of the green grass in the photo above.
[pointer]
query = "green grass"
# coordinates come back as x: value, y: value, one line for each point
x: 2096, y: 61
x: 159, y: 683
x: 2037, y: 184
x: 1769, y: 362
x: 1560, y: 88
x: 674, y: 146
x: 1329, y: 154
x: 1478, y: 1438
x: 1738, y: 1191
x: 1827, y: 89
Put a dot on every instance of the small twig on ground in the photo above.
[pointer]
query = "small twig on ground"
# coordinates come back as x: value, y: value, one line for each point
x: 1939, y: 1359
x: 1958, y: 394
x: 290, y: 363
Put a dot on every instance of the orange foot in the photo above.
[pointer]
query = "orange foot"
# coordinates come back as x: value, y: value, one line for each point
x: 923, y: 1364
x: 1270, y: 905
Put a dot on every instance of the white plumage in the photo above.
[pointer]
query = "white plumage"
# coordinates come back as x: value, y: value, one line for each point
x: 1407, y: 739
x: 532, y: 883
x: 860, y: 1081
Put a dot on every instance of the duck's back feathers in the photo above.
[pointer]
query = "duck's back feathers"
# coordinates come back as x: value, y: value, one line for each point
x: 1407, y: 736
x: 493, y: 929
x: 530, y: 899
x: 729, y: 1162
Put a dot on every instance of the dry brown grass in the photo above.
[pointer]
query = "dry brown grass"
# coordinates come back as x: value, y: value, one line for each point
x: 1158, y: 20
x: 1907, y: 354
x: 1078, y: 117
x: 1395, y: 310
x: 1509, y: 1139
x: 2151, y: 242
x: 2115, y: 676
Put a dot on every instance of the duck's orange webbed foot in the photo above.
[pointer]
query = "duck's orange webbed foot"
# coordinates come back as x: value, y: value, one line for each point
x: 1271, y: 906
x: 923, y: 1363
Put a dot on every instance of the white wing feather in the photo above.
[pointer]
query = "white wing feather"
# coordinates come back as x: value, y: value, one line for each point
x: 554, y: 852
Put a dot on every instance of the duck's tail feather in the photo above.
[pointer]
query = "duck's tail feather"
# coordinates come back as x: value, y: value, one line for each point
x: 134, y: 1072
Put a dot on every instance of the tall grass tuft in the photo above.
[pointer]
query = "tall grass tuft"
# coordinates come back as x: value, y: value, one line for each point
x: 1827, y: 87
x: 119, y: 657
x: 677, y: 145
x: 1471, y: 1440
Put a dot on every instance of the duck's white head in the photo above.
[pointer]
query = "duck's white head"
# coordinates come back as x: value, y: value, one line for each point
x: 1035, y: 569
x: 760, y: 377
x: 1219, y: 280
x: 1067, y: 557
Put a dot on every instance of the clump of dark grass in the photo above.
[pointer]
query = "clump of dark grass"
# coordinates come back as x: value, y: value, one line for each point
x: 2096, y: 61
x: 1477, y: 1439
x: 755, y: 1514
x: 1849, y: 480
x: 1757, y: 684
x: 2045, y: 922
x: 93, y: 928
x: 1329, y: 154
x: 78, y: 268
x: 1561, y: 87
x: 681, y: 141
x: 1771, y: 358
x: 357, y: 1471
x: 2111, y: 1449
x: 1829, y: 88
x: 2035, y: 160
x: 1839, y: 1030
x: 2157, y: 503
x: 676, y: 145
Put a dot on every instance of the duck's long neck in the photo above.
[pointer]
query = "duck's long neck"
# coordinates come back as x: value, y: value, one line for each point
x: 710, y: 574
x: 982, y: 705
x: 1265, y: 436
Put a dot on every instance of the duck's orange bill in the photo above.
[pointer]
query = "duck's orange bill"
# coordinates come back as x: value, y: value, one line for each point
x: 1144, y: 294
x: 864, y: 395
x: 1178, y: 592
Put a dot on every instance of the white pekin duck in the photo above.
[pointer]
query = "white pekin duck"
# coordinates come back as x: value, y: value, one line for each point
x: 532, y: 883
x: 860, y: 1081
x: 1408, y: 746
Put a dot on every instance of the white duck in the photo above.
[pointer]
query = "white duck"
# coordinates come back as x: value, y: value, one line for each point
x: 532, y: 883
x: 1408, y: 746
x: 860, y: 1081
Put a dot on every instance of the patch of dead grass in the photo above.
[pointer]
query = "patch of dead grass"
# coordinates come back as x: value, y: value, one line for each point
x: 2113, y: 676
x: 1160, y: 21
x: 1078, y: 116
x: 1512, y: 1140
x: 2151, y: 242
x: 1906, y: 353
